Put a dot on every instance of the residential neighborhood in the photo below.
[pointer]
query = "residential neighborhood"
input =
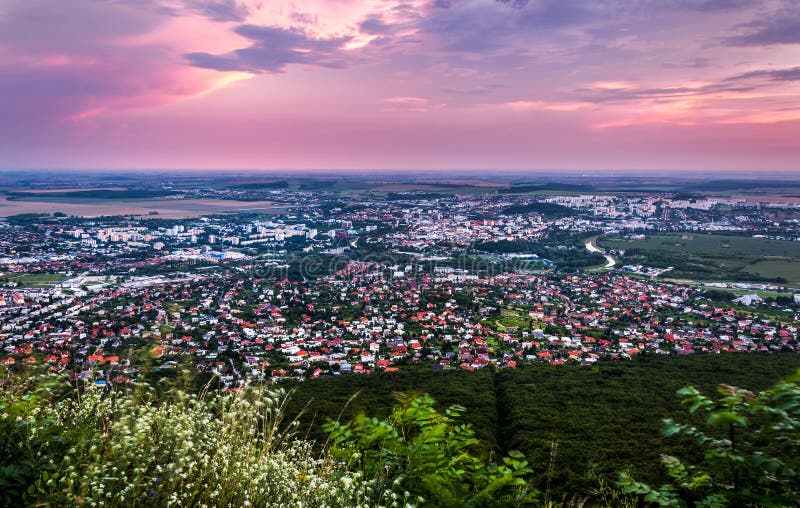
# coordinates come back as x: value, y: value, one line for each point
x: 326, y: 289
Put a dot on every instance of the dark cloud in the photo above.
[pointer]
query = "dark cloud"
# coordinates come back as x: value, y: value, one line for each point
x: 746, y: 82
x: 634, y: 94
x: 273, y: 49
x: 569, y: 12
x: 216, y: 62
x: 375, y: 25
x: 219, y: 10
x: 304, y: 18
x: 692, y: 63
x: 33, y: 97
x: 709, y: 5
x: 478, y: 26
x: 76, y: 26
x: 792, y: 74
x: 216, y: 10
x: 468, y: 26
x: 60, y: 62
x: 781, y: 28
x: 577, y: 10
x: 546, y: 14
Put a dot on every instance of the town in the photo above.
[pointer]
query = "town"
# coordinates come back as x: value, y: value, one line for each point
x: 330, y: 284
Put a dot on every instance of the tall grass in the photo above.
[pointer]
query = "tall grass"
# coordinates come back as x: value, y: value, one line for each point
x: 133, y: 448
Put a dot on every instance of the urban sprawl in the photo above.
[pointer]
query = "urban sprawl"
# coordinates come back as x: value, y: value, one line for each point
x: 331, y: 285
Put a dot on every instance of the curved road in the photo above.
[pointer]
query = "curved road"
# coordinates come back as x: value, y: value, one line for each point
x: 591, y: 247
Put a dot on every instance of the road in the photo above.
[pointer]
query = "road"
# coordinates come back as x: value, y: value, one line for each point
x: 591, y: 247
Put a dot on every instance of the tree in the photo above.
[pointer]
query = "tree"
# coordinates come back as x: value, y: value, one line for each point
x: 424, y: 456
x: 751, y: 450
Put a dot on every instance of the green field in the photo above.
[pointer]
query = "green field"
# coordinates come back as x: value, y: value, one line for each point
x: 714, y: 257
x: 710, y: 245
x: 789, y: 269
x: 32, y: 280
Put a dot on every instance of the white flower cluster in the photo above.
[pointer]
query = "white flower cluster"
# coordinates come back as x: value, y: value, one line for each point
x: 183, y: 450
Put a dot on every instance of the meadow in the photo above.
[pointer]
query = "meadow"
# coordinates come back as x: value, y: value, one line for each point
x: 33, y: 280
x: 713, y: 257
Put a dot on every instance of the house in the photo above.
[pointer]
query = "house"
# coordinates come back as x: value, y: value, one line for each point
x: 749, y: 300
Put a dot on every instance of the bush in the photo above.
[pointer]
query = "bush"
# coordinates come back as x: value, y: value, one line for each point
x: 419, y: 455
x: 134, y: 449
x: 751, y: 445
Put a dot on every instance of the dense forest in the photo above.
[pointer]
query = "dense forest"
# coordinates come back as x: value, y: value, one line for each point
x: 576, y: 425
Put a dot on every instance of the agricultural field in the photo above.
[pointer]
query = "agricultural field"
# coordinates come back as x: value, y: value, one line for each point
x: 713, y: 257
x: 162, y: 207
x: 348, y: 187
x: 32, y: 280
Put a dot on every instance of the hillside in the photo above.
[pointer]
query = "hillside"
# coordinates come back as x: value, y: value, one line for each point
x: 602, y: 419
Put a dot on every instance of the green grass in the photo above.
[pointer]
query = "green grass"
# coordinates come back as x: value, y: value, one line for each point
x: 710, y: 245
x: 788, y: 268
x: 514, y: 319
x: 713, y: 257
x: 33, y: 280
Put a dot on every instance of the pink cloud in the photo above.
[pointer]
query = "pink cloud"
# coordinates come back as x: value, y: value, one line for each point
x: 81, y: 70
x: 411, y: 104
x: 547, y: 106
x: 396, y: 83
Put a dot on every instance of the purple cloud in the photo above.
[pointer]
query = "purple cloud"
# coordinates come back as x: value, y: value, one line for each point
x: 215, y: 10
x: 76, y: 26
x: 707, y: 5
x: 220, y: 10
x: 375, y: 25
x: 64, y: 62
x: 479, y: 26
x: 791, y: 74
x: 273, y: 49
x: 782, y: 27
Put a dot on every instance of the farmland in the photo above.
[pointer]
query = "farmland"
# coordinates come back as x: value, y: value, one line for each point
x: 163, y: 207
x: 713, y: 256
x: 32, y: 280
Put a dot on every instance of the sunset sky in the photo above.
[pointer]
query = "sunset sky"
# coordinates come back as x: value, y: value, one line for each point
x: 400, y: 84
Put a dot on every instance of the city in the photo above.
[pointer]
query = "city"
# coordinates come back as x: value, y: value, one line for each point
x: 400, y: 253
x: 459, y: 278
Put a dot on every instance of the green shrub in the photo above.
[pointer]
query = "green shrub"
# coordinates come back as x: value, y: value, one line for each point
x: 751, y: 450
x: 136, y: 449
x: 421, y: 456
x: 30, y: 437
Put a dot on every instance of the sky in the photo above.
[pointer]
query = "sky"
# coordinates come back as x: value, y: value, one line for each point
x: 481, y: 85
